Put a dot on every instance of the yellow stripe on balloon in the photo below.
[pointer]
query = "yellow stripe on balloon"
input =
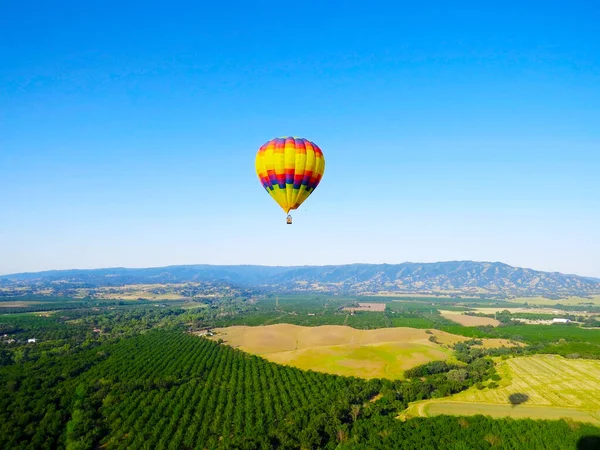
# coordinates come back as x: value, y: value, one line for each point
x: 290, y: 169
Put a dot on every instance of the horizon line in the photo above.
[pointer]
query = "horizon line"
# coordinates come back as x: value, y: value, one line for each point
x: 288, y: 266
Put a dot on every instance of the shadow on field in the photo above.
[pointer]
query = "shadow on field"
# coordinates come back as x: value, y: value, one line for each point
x: 517, y: 399
x: 588, y: 443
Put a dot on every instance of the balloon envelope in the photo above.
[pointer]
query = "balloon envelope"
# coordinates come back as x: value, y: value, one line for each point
x: 290, y: 169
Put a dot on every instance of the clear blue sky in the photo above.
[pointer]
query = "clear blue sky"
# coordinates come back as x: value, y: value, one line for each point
x: 451, y: 130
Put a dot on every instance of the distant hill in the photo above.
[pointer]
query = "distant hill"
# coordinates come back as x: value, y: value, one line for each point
x: 452, y: 277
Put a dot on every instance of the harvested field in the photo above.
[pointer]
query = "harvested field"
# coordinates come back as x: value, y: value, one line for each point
x: 468, y: 321
x: 518, y: 412
x: 285, y: 337
x: 156, y: 292
x: 136, y: 295
x: 538, y: 310
x: 593, y: 299
x: 18, y: 304
x: 384, y: 352
x: 535, y: 310
x: 497, y: 343
x: 552, y: 386
x: 374, y: 307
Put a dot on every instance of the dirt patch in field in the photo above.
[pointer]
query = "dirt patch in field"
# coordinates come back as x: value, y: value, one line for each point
x: 497, y: 343
x: 469, y: 321
x: 377, y: 307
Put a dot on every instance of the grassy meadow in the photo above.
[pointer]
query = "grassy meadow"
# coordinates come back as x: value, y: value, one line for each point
x: 386, y: 360
x: 343, y: 350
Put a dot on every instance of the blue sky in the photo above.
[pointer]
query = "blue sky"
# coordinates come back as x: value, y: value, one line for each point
x: 450, y: 131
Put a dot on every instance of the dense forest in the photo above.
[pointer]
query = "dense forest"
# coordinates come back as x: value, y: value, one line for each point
x: 125, y: 376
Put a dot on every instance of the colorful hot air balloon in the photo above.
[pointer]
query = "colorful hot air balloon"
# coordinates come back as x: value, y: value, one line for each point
x: 290, y: 169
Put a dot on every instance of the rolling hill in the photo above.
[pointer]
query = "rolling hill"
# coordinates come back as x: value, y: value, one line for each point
x: 452, y: 277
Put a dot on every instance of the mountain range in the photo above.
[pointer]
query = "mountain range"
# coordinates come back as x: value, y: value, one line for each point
x: 452, y: 277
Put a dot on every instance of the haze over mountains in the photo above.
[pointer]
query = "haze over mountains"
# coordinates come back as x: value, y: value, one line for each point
x: 453, y: 277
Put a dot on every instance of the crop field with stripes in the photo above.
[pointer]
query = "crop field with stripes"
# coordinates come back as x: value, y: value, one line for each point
x: 546, y: 386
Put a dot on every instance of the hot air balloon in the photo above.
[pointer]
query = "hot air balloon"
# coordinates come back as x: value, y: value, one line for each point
x: 290, y: 169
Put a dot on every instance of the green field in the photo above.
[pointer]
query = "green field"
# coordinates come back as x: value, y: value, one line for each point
x: 553, y: 387
x: 388, y: 360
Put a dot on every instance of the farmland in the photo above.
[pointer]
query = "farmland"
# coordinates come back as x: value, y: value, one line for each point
x: 129, y: 374
x: 342, y: 350
x: 569, y: 301
x: 468, y: 321
x: 548, y: 386
x: 118, y: 291
x: 17, y: 304
x: 374, y: 307
x: 388, y: 360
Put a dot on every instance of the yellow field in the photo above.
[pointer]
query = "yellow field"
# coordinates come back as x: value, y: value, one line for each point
x: 400, y: 297
x: 554, y: 387
x: 468, y: 321
x: 134, y: 295
x: 387, y: 360
x: 341, y: 350
x: 14, y: 289
x: 17, y: 304
x: 516, y: 412
x: 540, y: 310
x: 380, y: 353
x: 595, y: 299
x: 144, y: 291
x: 497, y: 343
x: 441, y: 294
